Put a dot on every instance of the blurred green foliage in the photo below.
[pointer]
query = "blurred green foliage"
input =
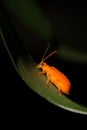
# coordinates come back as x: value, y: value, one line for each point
x: 30, y: 14
x: 72, y: 54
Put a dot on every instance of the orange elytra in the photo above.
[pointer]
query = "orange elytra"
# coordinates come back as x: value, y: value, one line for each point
x: 56, y: 77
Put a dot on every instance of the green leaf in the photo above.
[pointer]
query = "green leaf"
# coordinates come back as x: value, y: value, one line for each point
x: 26, y: 68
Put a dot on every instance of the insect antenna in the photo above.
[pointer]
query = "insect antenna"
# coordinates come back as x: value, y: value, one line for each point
x: 45, y: 52
x: 44, y: 58
x: 49, y: 55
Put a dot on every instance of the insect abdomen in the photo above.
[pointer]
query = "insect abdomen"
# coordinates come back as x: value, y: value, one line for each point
x: 59, y: 80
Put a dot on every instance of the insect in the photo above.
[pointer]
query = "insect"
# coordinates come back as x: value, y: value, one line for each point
x: 56, y: 77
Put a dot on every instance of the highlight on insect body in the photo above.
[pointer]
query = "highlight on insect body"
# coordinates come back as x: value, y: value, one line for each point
x: 56, y: 77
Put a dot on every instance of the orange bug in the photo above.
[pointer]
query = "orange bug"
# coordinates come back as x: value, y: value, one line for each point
x: 54, y: 76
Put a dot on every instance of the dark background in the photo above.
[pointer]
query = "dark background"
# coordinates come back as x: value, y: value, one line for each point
x: 18, y: 100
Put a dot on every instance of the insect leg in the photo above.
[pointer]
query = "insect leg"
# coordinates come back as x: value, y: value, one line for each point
x: 42, y: 72
x: 47, y: 83
x: 39, y: 73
